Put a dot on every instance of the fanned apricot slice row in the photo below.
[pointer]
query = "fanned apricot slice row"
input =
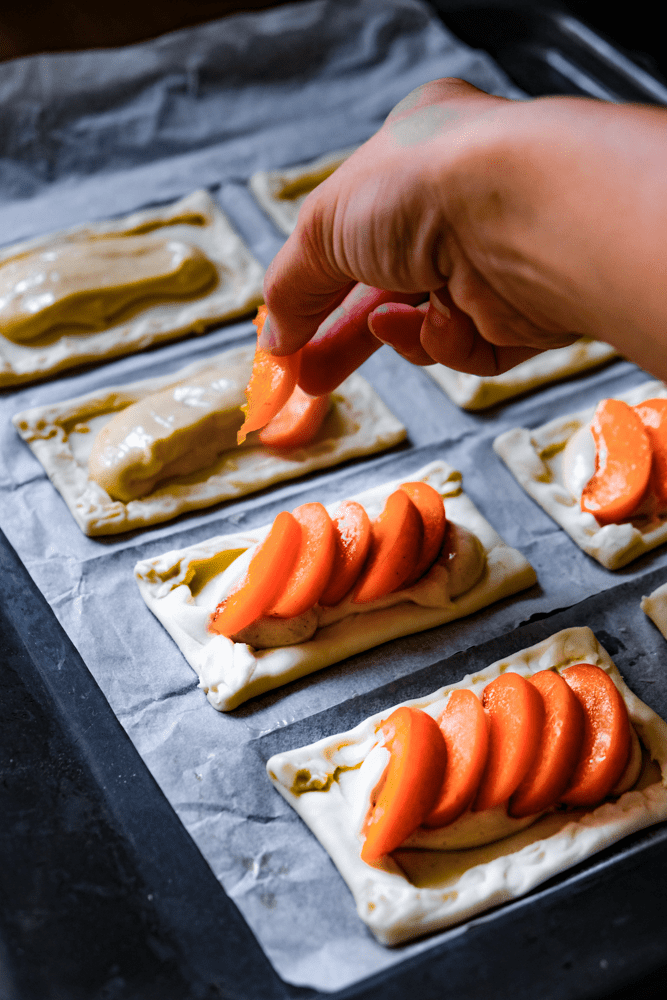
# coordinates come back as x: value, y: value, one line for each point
x: 606, y: 744
x: 271, y: 384
x: 432, y: 511
x: 311, y: 569
x: 558, y: 751
x: 410, y: 783
x: 515, y: 711
x: 464, y: 727
x: 265, y: 577
x: 622, y: 463
x: 352, y: 528
x: 297, y: 423
x: 396, y: 541
x: 653, y: 415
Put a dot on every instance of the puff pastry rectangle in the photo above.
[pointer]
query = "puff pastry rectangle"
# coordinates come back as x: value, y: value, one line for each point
x: 534, y: 458
x: 414, y: 892
x: 474, y: 392
x: 196, y: 220
x: 281, y: 193
x: 61, y: 435
x: 230, y: 673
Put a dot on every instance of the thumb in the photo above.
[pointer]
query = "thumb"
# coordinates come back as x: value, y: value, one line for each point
x: 301, y: 288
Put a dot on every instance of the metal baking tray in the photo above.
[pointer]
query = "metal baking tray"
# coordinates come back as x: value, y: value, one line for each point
x: 104, y: 894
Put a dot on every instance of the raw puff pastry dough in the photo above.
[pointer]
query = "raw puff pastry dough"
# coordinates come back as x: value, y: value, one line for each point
x: 281, y: 193
x: 447, y: 887
x: 534, y: 458
x: 473, y: 392
x: 61, y: 436
x: 238, y: 291
x: 655, y: 606
x: 230, y: 673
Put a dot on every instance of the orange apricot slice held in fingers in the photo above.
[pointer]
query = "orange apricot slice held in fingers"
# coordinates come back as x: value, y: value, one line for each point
x: 396, y: 541
x: 311, y: 569
x: 352, y: 529
x: 653, y: 415
x: 410, y: 783
x: 267, y: 573
x: 559, y: 749
x: 432, y: 510
x: 606, y: 744
x: 464, y: 727
x: 271, y: 384
x: 297, y: 423
x: 622, y: 463
x: 515, y: 711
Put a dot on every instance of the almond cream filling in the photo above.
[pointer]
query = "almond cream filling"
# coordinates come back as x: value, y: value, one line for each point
x: 170, y: 433
x: 456, y: 571
x: 91, y: 283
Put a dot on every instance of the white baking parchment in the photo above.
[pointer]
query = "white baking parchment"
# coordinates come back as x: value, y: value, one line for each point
x: 91, y: 135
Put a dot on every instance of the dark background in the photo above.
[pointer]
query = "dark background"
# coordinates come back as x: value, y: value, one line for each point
x: 61, y: 25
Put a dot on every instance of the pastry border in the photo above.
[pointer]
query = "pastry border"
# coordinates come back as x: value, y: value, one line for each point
x: 476, y: 392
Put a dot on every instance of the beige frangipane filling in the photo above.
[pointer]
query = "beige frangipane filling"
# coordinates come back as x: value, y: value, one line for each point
x: 92, y: 283
x: 170, y: 433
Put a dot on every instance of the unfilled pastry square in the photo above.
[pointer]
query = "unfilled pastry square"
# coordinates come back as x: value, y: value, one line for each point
x: 281, y: 193
x: 61, y: 435
x: 534, y: 457
x: 182, y: 589
x: 476, y: 392
x: 103, y: 289
x: 419, y: 888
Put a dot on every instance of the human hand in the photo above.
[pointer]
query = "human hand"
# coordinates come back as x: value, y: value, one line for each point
x: 389, y: 218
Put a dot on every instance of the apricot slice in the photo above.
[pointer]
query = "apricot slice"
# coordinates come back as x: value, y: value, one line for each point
x: 298, y: 423
x: 432, y: 510
x: 311, y: 569
x: 271, y: 384
x: 464, y: 727
x: 515, y: 711
x: 396, y: 541
x: 352, y: 528
x: 410, y: 783
x: 653, y: 415
x: 344, y: 340
x: 266, y: 575
x: 606, y: 743
x: 622, y: 463
x: 559, y: 749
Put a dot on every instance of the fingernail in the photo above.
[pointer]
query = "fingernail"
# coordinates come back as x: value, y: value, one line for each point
x: 438, y: 318
x: 266, y: 339
x: 435, y: 303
